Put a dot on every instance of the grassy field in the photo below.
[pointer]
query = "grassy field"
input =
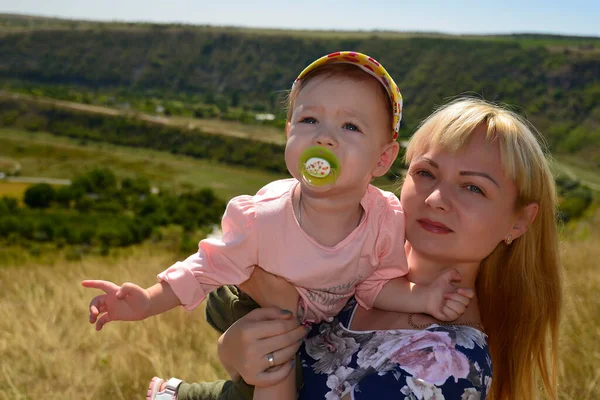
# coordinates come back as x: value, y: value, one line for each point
x: 13, y: 189
x: 45, y: 155
x: 580, y: 169
x: 49, y: 350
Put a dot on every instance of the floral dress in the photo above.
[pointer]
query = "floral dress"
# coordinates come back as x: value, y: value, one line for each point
x: 440, y: 362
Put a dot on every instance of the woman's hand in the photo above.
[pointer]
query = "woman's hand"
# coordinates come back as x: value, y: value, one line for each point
x: 270, y: 290
x: 244, y: 348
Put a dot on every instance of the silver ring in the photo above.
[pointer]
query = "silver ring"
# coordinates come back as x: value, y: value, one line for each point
x: 271, y: 359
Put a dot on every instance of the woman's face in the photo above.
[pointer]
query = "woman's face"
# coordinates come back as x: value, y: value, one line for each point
x: 459, y: 206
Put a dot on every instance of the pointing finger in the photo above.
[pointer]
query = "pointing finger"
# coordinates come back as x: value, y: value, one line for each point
x: 106, y: 286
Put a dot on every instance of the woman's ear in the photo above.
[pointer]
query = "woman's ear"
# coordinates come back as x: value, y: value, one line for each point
x: 386, y: 159
x: 524, y: 220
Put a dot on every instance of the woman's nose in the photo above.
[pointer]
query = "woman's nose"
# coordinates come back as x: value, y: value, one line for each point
x: 438, y: 200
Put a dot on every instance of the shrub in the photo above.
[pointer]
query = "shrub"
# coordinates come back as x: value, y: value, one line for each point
x: 39, y: 196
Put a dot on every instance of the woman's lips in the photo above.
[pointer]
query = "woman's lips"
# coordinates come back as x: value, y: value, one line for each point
x: 433, y: 226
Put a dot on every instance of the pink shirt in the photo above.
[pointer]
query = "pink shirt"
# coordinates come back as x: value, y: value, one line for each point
x: 263, y: 230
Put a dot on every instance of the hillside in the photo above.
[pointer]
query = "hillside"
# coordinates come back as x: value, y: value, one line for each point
x: 553, y: 80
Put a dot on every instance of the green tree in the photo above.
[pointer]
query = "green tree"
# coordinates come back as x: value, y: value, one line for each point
x: 63, y: 196
x: 39, y: 196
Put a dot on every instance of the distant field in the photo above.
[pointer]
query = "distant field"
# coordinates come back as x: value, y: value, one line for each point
x: 232, y: 128
x: 579, y: 168
x: 258, y: 132
x: 45, y: 155
x: 13, y: 189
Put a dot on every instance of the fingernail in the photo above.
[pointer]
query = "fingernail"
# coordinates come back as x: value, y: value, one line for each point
x: 286, y: 312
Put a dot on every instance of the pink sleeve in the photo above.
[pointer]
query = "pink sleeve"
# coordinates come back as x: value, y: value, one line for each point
x: 226, y: 260
x: 390, y: 250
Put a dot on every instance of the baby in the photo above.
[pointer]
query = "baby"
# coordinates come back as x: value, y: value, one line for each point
x: 327, y: 230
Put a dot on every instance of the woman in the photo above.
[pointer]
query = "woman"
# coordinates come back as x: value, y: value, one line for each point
x: 478, y: 197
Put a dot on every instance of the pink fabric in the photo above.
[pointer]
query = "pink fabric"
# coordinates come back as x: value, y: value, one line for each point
x: 263, y: 230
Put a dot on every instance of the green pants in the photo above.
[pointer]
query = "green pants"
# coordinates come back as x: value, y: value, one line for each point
x: 224, y: 306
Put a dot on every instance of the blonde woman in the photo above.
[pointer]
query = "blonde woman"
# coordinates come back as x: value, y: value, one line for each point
x: 478, y: 197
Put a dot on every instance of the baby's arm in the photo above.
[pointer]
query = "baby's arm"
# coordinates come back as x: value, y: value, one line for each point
x: 388, y: 289
x: 441, y: 299
x: 128, y: 302
x: 218, y: 262
x: 228, y: 260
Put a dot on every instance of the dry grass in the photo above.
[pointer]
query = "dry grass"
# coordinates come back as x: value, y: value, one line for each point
x: 13, y: 189
x: 48, y: 350
x: 579, y: 370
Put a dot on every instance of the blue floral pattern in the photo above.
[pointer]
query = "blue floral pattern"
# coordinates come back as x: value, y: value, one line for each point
x: 440, y: 362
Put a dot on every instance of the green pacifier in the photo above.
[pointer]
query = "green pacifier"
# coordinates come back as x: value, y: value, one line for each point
x: 319, y: 166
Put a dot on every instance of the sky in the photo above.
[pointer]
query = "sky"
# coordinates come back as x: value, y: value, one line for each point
x: 572, y: 17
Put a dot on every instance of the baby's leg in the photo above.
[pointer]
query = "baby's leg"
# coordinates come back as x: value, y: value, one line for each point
x: 226, y: 305
x: 219, y: 390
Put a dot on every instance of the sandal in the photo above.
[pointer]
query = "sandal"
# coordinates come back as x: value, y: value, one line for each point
x: 169, y: 393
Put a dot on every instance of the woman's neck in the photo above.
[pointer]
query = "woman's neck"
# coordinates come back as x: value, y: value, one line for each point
x: 424, y: 270
x: 330, y: 218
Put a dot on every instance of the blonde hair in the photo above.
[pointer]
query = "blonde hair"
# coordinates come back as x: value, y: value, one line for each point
x: 337, y: 70
x: 519, y: 287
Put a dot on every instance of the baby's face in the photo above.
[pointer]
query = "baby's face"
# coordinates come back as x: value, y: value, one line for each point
x: 348, y: 116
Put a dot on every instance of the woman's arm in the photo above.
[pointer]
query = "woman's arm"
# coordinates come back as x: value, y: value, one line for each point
x: 284, y: 390
x: 244, y: 348
x: 269, y: 290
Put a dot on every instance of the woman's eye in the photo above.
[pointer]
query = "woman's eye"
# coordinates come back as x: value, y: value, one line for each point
x: 474, y: 189
x: 351, y: 127
x: 308, y: 120
x: 424, y: 173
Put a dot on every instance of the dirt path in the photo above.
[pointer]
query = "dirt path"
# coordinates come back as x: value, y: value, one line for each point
x: 36, y: 179
x: 215, y: 127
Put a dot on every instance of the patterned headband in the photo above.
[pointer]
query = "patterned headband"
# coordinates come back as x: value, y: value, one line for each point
x: 370, y: 66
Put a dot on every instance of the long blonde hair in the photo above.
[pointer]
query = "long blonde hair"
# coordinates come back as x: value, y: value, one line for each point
x: 519, y: 287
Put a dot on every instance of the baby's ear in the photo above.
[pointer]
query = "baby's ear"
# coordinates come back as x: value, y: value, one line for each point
x: 287, y: 129
x: 386, y: 159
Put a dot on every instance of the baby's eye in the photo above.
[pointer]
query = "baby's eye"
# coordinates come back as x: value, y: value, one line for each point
x: 308, y: 120
x: 351, y: 127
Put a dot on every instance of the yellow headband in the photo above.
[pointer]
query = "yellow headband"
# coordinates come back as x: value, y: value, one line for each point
x: 370, y: 66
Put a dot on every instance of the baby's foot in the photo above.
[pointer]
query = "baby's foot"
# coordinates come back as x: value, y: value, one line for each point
x: 161, y: 390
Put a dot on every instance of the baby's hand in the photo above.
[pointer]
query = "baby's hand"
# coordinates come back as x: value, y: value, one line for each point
x: 447, y: 302
x: 128, y: 302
